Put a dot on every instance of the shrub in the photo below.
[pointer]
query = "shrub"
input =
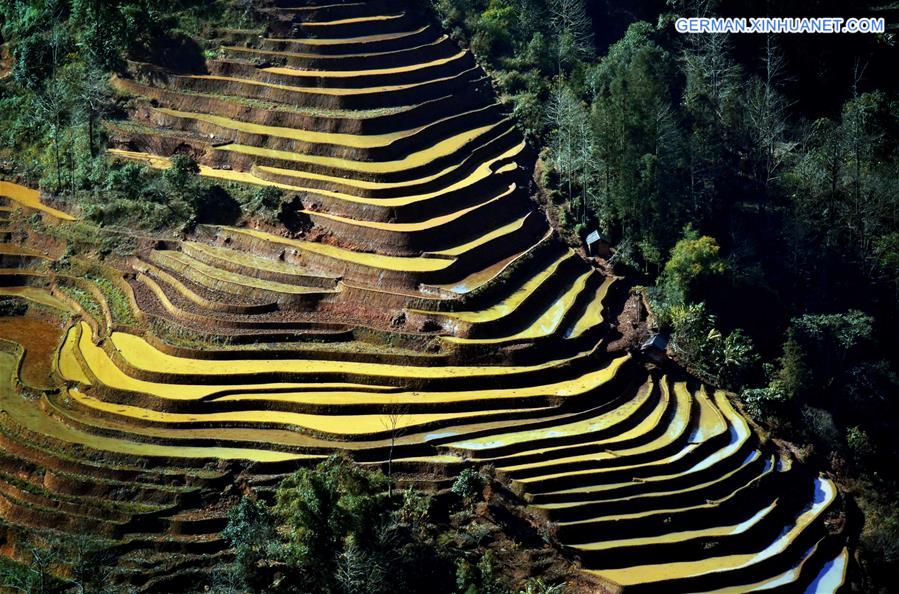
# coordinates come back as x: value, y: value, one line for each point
x: 821, y: 428
x: 766, y: 404
x: 538, y: 586
x: 726, y: 360
x: 693, y: 260
x: 251, y: 533
x: 479, y: 578
x: 859, y: 442
x: 12, y: 307
x: 468, y: 485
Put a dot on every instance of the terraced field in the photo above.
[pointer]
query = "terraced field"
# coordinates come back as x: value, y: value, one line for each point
x: 431, y: 304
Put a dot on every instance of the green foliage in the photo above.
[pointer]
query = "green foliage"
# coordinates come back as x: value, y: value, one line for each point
x: 725, y: 360
x: 638, y: 143
x: 694, y: 261
x: 538, y: 586
x: 493, y: 34
x: 880, y: 542
x: 859, y: 442
x: 119, y: 306
x: 415, y: 507
x: 265, y: 200
x: 89, y: 562
x: 469, y: 485
x: 793, y: 378
x: 12, y: 307
x: 84, y: 299
x: 766, y: 405
x: 479, y: 578
x: 323, y: 510
x: 822, y: 428
x: 819, y: 351
x: 251, y: 533
x: 333, y: 529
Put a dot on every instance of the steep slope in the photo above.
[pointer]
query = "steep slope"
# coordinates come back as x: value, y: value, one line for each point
x: 430, y: 304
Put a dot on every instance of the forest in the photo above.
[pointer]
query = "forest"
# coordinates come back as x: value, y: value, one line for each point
x: 748, y: 187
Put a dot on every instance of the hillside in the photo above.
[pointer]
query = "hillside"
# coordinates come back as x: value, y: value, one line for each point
x: 416, y: 309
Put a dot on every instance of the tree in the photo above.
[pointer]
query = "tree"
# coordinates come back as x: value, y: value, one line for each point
x: 573, y: 31
x: 251, y: 533
x: 496, y: 24
x: 723, y: 360
x: 568, y: 119
x: 713, y: 106
x: 845, y: 184
x: 393, y: 423
x: 766, y: 114
x: 694, y: 260
x: 638, y: 145
x: 320, y: 509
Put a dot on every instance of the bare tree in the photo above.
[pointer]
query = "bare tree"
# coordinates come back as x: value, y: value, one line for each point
x: 573, y: 28
x: 766, y: 112
x: 571, y: 147
x: 392, y: 421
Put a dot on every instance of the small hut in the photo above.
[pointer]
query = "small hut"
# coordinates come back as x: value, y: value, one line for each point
x: 655, y: 348
x: 598, y: 245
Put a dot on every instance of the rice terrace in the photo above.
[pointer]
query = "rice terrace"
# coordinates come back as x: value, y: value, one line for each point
x: 349, y: 244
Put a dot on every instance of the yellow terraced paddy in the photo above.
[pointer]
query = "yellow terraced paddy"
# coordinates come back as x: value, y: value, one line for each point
x: 646, y: 425
x: 366, y: 141
x: 30, y: 199
x: 351, y: 40
x: 378, y: 261
x: 67, y: 364
x: 482, y: 172
x: 35, y: 295
x: 333, y: 424
x: 548, y: 322
x: 371, y: 72
x: 361, y: 141
x: 142, y: 355
x: 354, y: 20
x: 561, y: 390
x: 9, y: 249
x: 248, y: 260
x: 594, y: 424
x: 505, y: 231
x: 411, y: 227
x: 678, y: 537
x: 785, y: 579
x: 27, y: 414
x: 182, y: 261
x: 644, y: 574
x: 108, y: 374
x: 663, y: 510
x: 444, y: 148
x: 283, y: 54
x: 711, y: 423
x: 509, y: 305
x: 592, y: 316
x: 333, y: 91
x: 102, y: 367
x: 316, y: 7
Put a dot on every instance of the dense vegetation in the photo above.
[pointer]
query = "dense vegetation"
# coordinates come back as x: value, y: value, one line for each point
x: 764, y: 223
x: 53, y: 102
x: 337, y: 529
x: 763, y: 226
